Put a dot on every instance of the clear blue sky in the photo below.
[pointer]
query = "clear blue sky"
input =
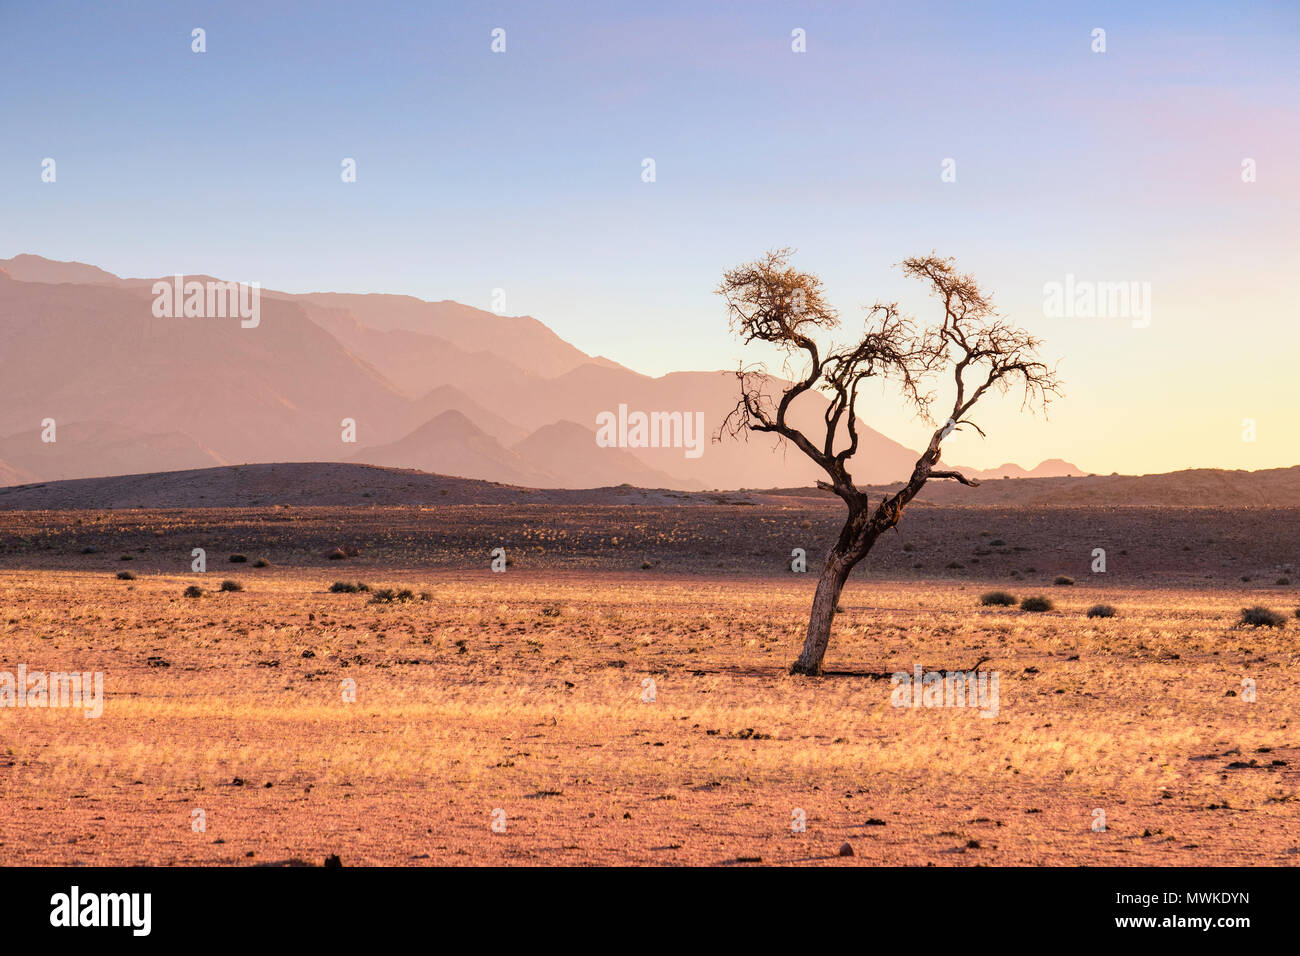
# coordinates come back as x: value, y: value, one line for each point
x: 522, y: 171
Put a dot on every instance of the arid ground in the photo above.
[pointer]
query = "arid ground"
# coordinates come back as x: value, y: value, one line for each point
x: 524, y: 691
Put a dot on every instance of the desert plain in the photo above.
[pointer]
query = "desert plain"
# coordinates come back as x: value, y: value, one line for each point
x: 619, y: 693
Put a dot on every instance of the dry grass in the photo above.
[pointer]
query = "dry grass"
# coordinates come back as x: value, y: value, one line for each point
x: 523, y: 691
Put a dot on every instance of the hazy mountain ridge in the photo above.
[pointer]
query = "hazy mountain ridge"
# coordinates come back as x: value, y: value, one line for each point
x: 81, y: 345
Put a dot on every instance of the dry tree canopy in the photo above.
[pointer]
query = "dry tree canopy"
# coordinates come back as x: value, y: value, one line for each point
x: 971, y: 348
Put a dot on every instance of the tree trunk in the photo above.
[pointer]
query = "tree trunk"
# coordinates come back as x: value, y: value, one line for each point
x: 834, y: 574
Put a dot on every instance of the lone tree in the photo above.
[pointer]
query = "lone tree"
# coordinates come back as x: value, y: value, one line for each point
x: 977, y: 349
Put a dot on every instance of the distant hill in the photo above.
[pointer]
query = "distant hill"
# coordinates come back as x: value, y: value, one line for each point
x: 451, y: 444
x: 330, y: 483
x: 569, y: 451
x: 302, y: 484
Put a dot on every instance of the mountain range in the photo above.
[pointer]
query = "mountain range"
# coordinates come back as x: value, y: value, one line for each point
x: 378, y: 379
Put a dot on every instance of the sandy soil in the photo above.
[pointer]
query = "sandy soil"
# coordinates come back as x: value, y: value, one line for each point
x: 523, y: 692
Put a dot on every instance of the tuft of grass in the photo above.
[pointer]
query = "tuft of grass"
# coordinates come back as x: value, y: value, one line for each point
x: 997, y: 599
x: 238, y: 558
x: 231, y: 586
x: 1101, y: 610
x: 194, y: 591
x: 1063, y: 580
x: 391, y: 595
x: 1260, y: 616
x: 1036, y: 604
x: 125, y: 576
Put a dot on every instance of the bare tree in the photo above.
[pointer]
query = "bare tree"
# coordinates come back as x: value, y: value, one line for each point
x: 972, y: 347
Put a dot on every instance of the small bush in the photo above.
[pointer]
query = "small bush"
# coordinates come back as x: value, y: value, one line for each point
x: 389, y: 595
x: 238, y: 558
x: 997, y: 599
x: 125, y: 576
x: 1063, y: 580
x: 997, y: 543
x: 954, y: 565
x: 231, y: 586
x: 127, y: 557
x: 261, y: 563
x: 90, y: 549
x: 1259, y: 616
x: 1101, y: 610
x: 336, y: 555
x: 194, y: 591
x: 1036, y: 604
x: 345, y: 587
x: 1283, y: 580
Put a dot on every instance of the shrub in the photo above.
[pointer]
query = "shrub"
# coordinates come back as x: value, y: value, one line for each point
x: 953, y: 565
x: 261, y: 563
x: 231, y: 586
x: 336, y: 555
x: 344, y: 587
x: 194, y: 591
x: 125, y: 576
x: 997, y: 543
x: 1063, y: 580
x: 238, y: 558
x: 997, y: 599
x: 128, y: 557
x: 389, y: 595
x: 1101, y: 610
x: 1283, y: 580
x: 89, y: 549
x: 1036, y: 604
x: 1259, y: 616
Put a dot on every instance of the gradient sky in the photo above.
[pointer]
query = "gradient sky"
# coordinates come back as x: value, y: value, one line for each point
x: 522, y: 171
